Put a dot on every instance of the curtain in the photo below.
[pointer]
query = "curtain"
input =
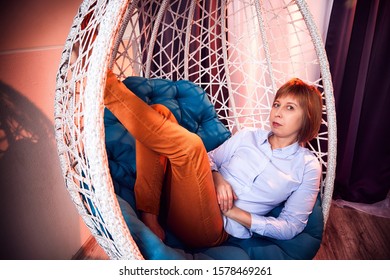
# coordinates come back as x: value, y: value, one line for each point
x: 358, y: 42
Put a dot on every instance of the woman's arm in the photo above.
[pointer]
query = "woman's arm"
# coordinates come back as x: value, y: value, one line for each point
x: 241, y: 216
x: 225, y: 151
x: 217, y: 158
x: 295, y: 213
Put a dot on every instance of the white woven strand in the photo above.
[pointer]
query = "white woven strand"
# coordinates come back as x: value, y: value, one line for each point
x: 124, y: 23
x: 232, y: 104
x: 330, y: 108
x: 156, y: 23
x: 94, y: 131
x: 188, y: 37
x: 63, y: 102
x: 265, y: 44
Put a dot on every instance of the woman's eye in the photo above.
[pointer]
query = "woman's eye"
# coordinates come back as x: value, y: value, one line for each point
x: 290, y: 107
x: 276, y: 105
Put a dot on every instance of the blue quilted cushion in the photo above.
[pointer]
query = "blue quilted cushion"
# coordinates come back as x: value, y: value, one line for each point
x: 188, y: 102
x: 193, y: 110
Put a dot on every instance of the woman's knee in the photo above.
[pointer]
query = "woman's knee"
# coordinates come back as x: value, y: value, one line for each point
x: 164, y: 111
x: 191, y: 144
x: 196, y: 145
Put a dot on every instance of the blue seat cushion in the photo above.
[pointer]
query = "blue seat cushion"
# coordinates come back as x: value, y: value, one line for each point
x: 193, y: 110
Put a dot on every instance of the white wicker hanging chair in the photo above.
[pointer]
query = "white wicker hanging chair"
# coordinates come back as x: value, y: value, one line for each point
x: 253, y: 53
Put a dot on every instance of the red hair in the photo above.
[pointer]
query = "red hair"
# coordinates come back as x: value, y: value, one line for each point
x: 310, y: 100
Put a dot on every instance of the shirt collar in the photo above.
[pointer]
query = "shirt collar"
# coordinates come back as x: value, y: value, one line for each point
x: 282, y: 152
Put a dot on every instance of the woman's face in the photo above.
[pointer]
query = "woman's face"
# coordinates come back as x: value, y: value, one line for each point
x: 286, y: 118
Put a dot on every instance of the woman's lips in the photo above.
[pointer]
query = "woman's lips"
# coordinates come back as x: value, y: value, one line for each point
x: 276, y: 124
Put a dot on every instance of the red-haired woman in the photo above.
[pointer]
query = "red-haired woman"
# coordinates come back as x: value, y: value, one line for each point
x: 205, y: 197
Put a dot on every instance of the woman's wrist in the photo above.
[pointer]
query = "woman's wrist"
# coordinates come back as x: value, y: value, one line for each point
x: 239, y: 215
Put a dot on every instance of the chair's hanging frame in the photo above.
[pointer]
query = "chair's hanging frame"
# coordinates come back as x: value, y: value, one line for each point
x: 89, y: 51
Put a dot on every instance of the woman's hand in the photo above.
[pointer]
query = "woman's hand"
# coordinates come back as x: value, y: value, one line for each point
x: 226, y: 197
x: 224, y: 191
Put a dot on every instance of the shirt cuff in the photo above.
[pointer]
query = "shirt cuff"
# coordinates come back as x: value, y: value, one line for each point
x: 258, y: 224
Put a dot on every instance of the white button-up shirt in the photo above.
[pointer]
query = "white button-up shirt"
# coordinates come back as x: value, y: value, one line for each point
x: 263, y: 178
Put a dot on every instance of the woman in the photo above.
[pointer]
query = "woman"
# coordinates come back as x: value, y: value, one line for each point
x: 207, y: 197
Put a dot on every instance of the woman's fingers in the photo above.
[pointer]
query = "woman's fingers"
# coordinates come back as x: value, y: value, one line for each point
x: 226, y: 196
x: 225, y: 193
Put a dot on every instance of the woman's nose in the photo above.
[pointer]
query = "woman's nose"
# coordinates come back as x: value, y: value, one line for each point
x: 278, y: 112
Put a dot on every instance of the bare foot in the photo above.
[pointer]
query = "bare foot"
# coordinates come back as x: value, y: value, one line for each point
x: 151, y: 221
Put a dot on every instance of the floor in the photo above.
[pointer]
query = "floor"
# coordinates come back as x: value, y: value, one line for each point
x: 349, y: 235
x: 354, y: 235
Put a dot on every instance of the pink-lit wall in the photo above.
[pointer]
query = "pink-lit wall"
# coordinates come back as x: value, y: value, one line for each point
x: 38, y: 219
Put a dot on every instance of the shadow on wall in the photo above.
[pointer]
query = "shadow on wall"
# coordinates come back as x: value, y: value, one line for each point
x: 35, y: 219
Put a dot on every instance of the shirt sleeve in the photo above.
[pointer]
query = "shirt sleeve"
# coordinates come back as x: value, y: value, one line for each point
x: 295, y: 213
x: 225, y: 151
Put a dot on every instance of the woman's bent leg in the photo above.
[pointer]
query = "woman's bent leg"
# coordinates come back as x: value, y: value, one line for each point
x: 149, y: 127
x: 151, y: 167
x: 193, y: 213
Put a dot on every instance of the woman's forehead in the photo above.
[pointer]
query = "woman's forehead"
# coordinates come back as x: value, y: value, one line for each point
x: 288, y: 97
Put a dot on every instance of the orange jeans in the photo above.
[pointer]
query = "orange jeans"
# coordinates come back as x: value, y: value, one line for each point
x: 171, y: 163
